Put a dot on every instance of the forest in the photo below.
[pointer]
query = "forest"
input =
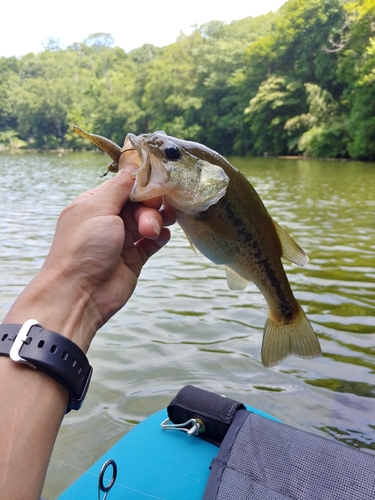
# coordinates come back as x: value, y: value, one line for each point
x: 300, y: 81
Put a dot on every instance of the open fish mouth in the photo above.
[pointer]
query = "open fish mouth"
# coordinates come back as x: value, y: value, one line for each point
x: 151, y: 178
x: 185, y: 182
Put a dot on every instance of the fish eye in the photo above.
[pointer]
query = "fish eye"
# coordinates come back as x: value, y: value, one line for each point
x: 172, y: 152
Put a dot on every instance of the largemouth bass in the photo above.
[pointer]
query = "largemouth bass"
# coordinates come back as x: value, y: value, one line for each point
x: 230, y: 225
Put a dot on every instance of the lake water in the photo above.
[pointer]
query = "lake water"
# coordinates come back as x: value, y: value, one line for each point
x: 183, y: 325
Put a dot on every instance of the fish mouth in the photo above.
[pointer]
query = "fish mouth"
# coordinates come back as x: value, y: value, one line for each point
x: 150, y: 179
x: 157, y: 177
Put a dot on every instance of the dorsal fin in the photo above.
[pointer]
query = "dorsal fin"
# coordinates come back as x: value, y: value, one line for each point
x: 235, y: 281
x: 290, y: 249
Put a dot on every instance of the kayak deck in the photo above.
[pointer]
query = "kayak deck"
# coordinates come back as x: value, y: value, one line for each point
x: 152, y: 463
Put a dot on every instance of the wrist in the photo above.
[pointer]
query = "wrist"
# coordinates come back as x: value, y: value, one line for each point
x: 59, y: 307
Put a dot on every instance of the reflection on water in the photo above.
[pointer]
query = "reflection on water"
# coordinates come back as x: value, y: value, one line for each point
x: 184, y: 326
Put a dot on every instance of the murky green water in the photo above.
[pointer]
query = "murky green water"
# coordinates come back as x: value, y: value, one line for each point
x: 184, y: 326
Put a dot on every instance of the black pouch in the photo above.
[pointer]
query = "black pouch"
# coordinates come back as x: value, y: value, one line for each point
x: 214, y: 411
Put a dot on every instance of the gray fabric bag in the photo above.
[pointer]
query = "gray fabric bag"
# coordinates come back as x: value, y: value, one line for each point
x: 260, y: 459
x: 265, y: 460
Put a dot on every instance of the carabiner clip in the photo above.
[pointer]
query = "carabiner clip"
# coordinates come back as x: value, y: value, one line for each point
x: 101, y: 485
x: 197, y: 426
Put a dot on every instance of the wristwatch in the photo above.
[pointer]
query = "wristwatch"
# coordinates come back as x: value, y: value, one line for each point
x: 51, y: 353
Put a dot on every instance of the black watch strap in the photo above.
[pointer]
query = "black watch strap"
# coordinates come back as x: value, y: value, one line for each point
x: 51, y: 353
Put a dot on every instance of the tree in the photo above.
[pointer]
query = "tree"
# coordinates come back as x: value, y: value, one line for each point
x: 219, y: 56
x: 169, y: 98
x: 52, y: 44
x: 320, y: 131
x: 99, y: 40
x: 356, y: 69
x: 277, y: 99
x: 9, y: 69
x: 9, y: 137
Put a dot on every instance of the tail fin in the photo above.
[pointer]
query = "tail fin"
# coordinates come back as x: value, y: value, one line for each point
x: 282, y: 340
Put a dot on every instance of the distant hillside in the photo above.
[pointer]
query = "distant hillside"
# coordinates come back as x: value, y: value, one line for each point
x: 299, y: 81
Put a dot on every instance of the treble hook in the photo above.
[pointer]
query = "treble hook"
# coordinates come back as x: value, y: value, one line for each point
x: 101, y: 486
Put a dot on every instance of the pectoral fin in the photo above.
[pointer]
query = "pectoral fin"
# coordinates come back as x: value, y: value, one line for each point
x: 290, y: 249
x: 217, y: 225
x: 191, y: 242
x: 235, y: 281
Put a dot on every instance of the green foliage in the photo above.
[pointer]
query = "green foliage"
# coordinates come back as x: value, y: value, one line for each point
x: 9, y: 140
x: 357, y: 69
x: 52, y: 44
x: 319, y: 132
x: 300, y: 81
x: 168, y: 97
x: 219, y: 58
x: 268, y: 112
x: 99, y: 40
x: 362, y: 124
x: 324, y: 141
x: 9, y: 69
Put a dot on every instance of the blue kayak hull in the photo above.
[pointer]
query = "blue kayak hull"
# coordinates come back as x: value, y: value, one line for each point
x: 152, y: 463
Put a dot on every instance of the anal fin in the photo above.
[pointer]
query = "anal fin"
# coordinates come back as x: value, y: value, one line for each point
x: 235, y: 281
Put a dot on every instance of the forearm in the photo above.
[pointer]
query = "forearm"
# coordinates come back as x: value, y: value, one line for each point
x: 31, y: 410
x: 32, y: 403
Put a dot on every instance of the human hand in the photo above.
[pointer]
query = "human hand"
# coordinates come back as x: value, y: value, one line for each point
x: 101, y: 243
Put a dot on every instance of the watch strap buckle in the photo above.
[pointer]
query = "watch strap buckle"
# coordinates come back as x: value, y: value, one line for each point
x: 20, y: 339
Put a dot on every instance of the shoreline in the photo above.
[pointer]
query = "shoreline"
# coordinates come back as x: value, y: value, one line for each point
x: 61, y: 151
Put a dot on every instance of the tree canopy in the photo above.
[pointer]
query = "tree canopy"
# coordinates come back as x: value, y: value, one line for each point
x: 298, y: 81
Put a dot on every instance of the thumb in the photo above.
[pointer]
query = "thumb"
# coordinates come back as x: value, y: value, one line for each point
x: 114, y: 193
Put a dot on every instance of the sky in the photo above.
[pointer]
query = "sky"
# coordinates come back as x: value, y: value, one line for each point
x: 26, y: 24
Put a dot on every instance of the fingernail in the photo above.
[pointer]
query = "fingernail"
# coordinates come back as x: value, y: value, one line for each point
x: 155, y: 225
